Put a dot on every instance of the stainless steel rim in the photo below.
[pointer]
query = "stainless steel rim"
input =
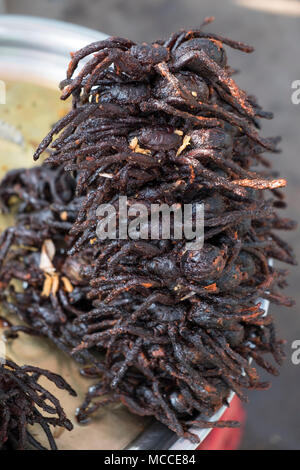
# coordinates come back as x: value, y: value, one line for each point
x: 37, y: 49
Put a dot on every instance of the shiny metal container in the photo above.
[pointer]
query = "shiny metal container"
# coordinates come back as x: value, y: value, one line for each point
x: 37, y: 50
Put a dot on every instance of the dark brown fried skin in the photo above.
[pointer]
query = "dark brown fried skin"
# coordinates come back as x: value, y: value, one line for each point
x: 22, y: 402
x: 159, y: 123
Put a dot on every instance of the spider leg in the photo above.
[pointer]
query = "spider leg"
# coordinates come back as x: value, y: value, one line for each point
x: 138, y: 247
x: 198, y: 33
x: 214, y: 424
x: 159, y: 105
x: 6, y: 241
x: 96, y: 47
x: 112, y: 57
x: 132, y: 284
x: 133, y: 406
x: 87, y: 69
x: 229, y: 166
x: 212, y: 69
x: 122, y: 62
x: 130, y: 357
x: 101, y: 325
x: 171, y: 416
x: 211, y: 176
x: 71, y: 120
x: 153, y: 298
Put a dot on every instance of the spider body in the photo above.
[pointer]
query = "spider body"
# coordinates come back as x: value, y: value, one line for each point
x: 188, y: 54
x: 124, y: 94
x: 159, y: 139
x: 206, y: 264
x: 165, y: 313
x: 167, y: 90
x: 212, y: 142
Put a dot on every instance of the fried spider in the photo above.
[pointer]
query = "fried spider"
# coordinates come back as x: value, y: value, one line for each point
x: 22, y: 402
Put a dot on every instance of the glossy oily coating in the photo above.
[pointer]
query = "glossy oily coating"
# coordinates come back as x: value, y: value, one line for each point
x: 158, y: 123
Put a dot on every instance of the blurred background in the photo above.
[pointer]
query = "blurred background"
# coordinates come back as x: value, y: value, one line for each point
x: 273, y: 28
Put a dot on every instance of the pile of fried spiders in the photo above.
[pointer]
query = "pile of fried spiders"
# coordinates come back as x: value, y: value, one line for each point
x: 22, y: 401
x: 166, y: 331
